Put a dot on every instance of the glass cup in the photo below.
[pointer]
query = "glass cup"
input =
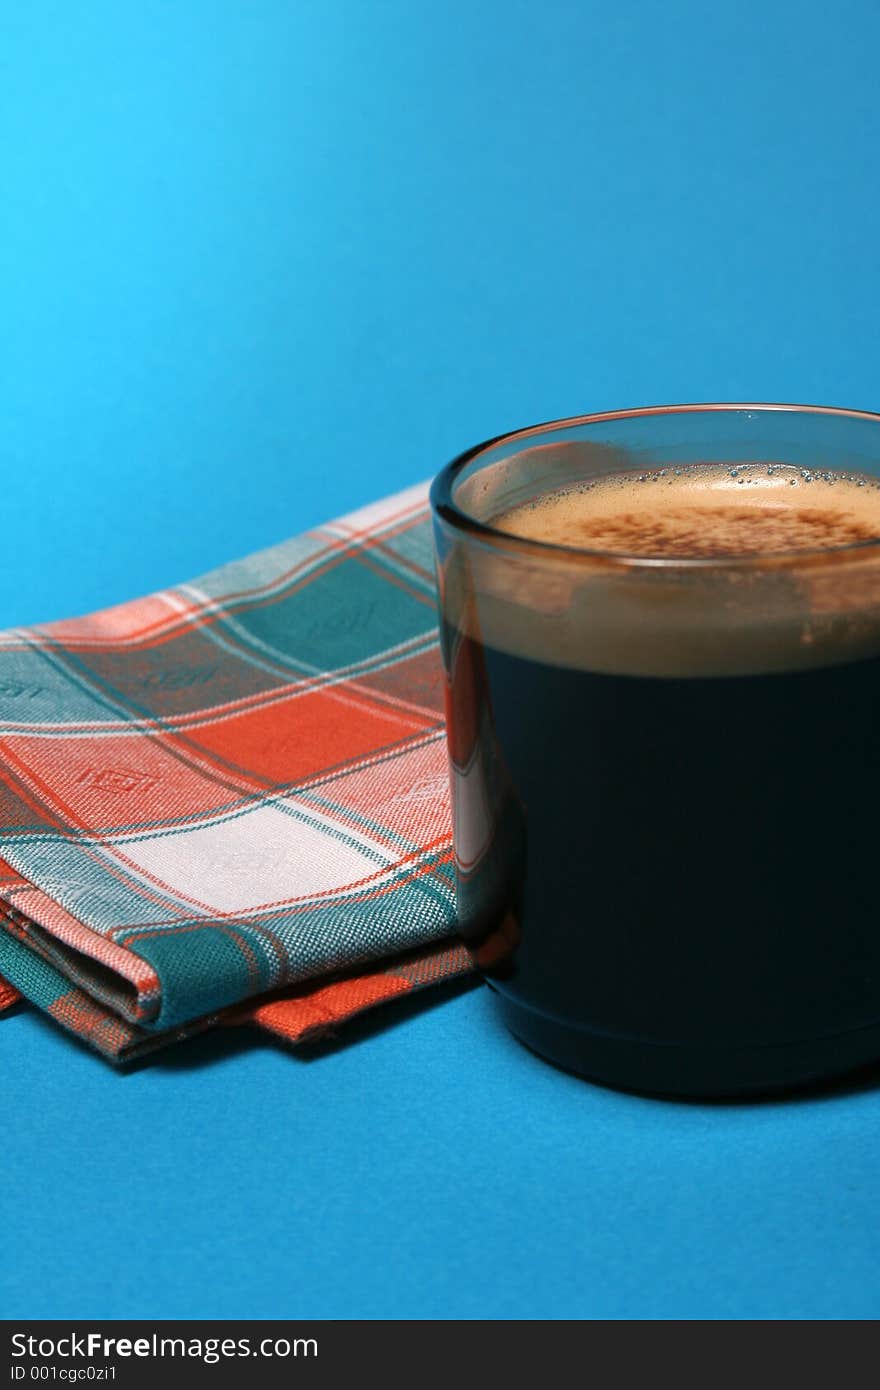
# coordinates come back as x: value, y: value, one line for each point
x: 665, y: 771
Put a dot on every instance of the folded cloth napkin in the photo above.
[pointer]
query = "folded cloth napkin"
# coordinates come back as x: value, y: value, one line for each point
x: 228, y: 802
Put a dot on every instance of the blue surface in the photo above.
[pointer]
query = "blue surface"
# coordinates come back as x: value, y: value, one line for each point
x: 260, y: 263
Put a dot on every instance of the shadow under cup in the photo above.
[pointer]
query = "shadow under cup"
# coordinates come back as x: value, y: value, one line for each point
x: 665, y: 772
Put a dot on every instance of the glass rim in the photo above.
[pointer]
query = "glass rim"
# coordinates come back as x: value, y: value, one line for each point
x: 444, y: 505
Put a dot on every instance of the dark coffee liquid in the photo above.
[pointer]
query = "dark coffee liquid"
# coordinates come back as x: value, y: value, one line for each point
x: 690, y: 849
x: 670, y: 875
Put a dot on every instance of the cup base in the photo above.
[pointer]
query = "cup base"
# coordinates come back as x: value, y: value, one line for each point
x: 695, y: 1070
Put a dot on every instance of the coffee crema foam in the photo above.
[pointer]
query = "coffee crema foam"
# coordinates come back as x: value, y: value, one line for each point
x: 800, y: 608
x: 705, y: 511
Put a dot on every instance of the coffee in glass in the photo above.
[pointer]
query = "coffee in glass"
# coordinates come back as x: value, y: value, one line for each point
x: 661, y: 632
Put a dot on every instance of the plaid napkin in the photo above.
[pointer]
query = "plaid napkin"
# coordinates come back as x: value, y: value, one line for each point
x: 228, y: 802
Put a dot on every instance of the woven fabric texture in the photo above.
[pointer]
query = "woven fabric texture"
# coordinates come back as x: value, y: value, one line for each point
x: 229, y: 801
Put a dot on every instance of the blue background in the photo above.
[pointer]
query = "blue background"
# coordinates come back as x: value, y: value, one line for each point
x: 260, y: 263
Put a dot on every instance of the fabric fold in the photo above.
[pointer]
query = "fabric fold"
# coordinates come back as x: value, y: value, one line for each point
x: 232, y: 791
